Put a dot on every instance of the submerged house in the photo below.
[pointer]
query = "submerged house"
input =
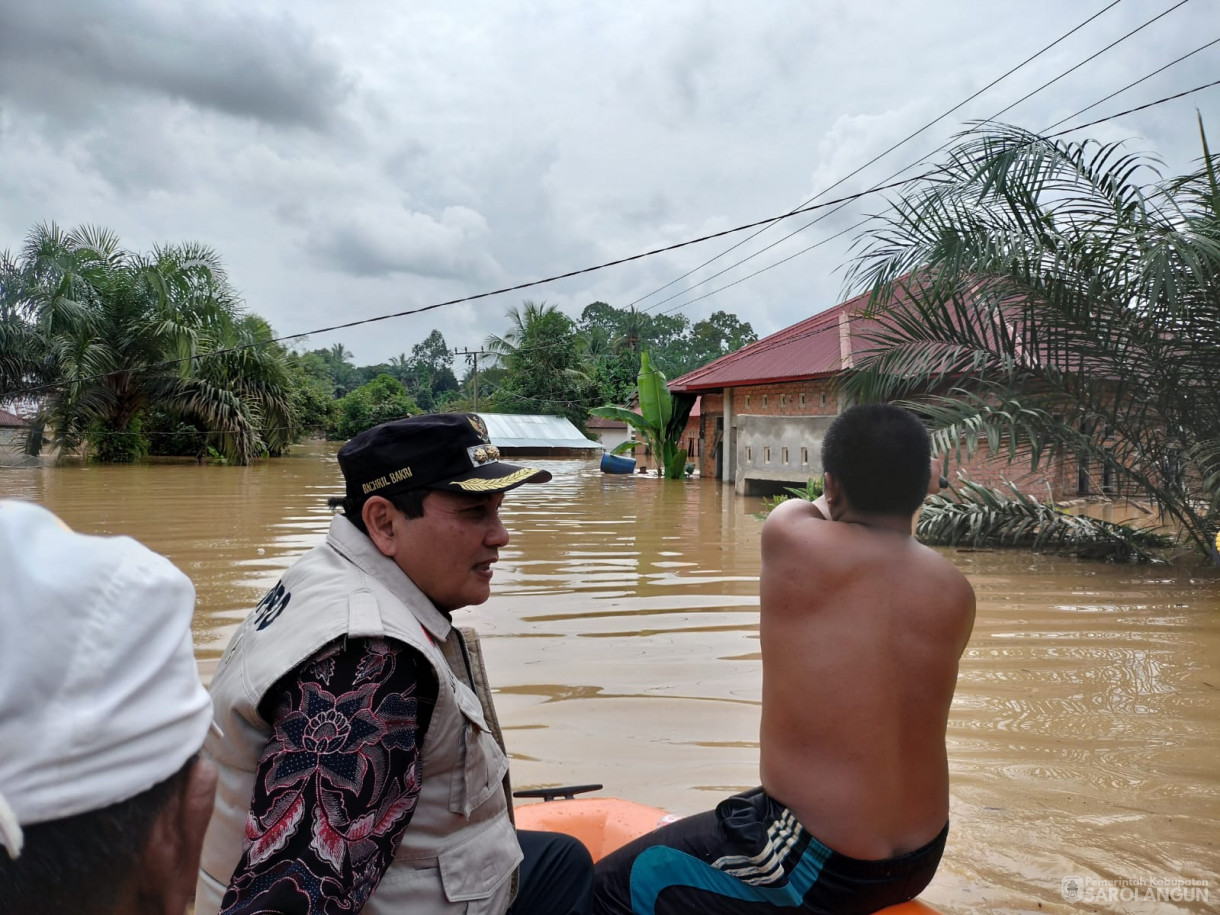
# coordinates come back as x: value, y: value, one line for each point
x: 538, y: 436
x: 13, y: 438
x: 609, y: 432
x: 766, y: 407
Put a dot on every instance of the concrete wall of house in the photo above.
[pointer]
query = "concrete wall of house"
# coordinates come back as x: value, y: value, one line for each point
x: 12, y: 448
x: 749, y: 405
x: 713, y: 441
x: 610, y: 438
x: 798, y: 398
x: 778, y: 451
x: 757, y: 472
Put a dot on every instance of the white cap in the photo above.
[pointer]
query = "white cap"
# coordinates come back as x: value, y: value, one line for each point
x: 100, y: 697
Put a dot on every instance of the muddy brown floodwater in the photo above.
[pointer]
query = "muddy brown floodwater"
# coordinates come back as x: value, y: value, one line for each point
x: 623, y: 639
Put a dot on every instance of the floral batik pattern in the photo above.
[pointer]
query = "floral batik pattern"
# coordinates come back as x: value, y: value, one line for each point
x: 338, y: 782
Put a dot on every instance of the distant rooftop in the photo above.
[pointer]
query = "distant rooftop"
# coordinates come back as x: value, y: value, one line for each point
x: 11, y: 421
x: 818, y: 346
x: 600, y: 422
x: 534, y: 432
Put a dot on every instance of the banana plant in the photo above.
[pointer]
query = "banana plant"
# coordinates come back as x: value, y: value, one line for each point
x: 660, y: 422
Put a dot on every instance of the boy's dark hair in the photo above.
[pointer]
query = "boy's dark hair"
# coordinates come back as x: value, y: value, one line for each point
x: 82, y: 863
x: 410, y: 502
x: 881, y: 455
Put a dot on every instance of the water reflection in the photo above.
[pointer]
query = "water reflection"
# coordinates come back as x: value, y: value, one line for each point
x: 623, y: 638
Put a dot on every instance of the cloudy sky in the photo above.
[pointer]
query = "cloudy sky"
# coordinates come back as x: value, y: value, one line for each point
x: 354, y: 159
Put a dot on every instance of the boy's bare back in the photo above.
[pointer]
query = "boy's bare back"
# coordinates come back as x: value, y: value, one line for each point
x: 862, y: 628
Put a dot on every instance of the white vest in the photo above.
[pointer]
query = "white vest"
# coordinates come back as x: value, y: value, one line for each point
x: 460, y: 849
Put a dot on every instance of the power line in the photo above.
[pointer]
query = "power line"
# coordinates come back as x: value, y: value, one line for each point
x: 881, y: 155
x: 473, y: 355
x: 1061, y: 133
x: 25, y: 392
x: 1133, y: 84
x: 470, y: 298
x: 981, y: 124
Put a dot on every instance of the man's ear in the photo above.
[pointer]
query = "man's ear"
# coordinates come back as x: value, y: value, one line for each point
x: 169, y: 868
x: 831, y: 488
x: 935, y: 476
x: 378, y: 515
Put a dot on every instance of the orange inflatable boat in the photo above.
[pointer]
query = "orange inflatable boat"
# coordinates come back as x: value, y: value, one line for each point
x: 606, y: 824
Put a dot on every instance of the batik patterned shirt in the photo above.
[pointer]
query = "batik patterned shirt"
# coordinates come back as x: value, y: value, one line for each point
x: 338, y: 782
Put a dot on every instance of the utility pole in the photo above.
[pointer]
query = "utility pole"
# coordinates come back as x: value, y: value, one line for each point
x: 472, y: 357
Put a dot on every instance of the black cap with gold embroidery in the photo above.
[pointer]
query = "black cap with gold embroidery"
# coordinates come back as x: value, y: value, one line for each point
x: 436, y: 451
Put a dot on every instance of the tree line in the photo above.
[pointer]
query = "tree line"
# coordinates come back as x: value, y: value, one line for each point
x: 546, y: 362
x: 127, y: 354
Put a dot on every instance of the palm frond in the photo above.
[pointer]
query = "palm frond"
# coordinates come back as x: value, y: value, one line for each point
x: 980, y: 517
x: 1058, y: 300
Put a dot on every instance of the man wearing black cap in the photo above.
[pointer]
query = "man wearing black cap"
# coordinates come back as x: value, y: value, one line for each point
x: 359, y: 771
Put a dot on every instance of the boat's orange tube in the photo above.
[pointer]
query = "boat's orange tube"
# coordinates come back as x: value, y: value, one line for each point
x: 604, y: 824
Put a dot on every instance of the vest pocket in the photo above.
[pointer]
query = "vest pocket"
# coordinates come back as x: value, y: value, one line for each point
x: 478, y: 871
x: 481, y: 764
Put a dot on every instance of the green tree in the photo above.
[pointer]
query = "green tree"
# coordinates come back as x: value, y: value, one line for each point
x: 118, y: 334
x: 546, y: 365
x: 400, y: 367
x: 716, y: 336
x: 613, y: 341
x: 1042, y: 297
x: 381, y: 400
x: 312, y: 394
x: 660, y: 422
x: 431, y: 370
x: 344, y: 376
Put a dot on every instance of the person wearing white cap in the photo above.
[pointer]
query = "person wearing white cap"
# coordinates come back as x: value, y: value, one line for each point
x: 103, y: 798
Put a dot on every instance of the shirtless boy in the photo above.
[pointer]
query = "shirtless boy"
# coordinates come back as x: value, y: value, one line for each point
x: 862, y: 628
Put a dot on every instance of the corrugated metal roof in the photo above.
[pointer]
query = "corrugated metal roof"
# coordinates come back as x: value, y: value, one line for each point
x: 827, y: 343
x: 520, y: 430
x: 813, y: 347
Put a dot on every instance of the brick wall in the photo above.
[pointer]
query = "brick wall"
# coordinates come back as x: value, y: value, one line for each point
x: 814, y: 398
x: 711, y: 409
x: 800, y: 398
x: 1057, y: 480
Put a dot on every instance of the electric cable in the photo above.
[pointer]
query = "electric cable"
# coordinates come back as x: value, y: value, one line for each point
x: 822, y: 216
x: 886, y: 152
x: 23, y: 392
x: 921, y: 177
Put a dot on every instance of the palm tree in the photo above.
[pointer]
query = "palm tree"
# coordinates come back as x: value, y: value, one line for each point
x: 546, y: 362
x: 631, y: 332
x: 121, y: 333
x: 1038, y: 296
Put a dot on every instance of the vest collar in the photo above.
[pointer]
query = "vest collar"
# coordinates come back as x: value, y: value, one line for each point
x: 356, y: 547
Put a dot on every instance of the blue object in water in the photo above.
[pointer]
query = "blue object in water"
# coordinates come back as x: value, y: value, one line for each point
x: 616, y: 463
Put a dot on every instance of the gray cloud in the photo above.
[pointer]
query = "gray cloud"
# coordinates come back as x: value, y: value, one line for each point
x: 355, y: 159
x: 65, y: 57
x: 383, y: 240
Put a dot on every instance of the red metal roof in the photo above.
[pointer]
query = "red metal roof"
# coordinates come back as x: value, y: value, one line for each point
x: 11, y: 421
x: 814, y: 347
x: 824, y: 345
x: 598, y: 422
